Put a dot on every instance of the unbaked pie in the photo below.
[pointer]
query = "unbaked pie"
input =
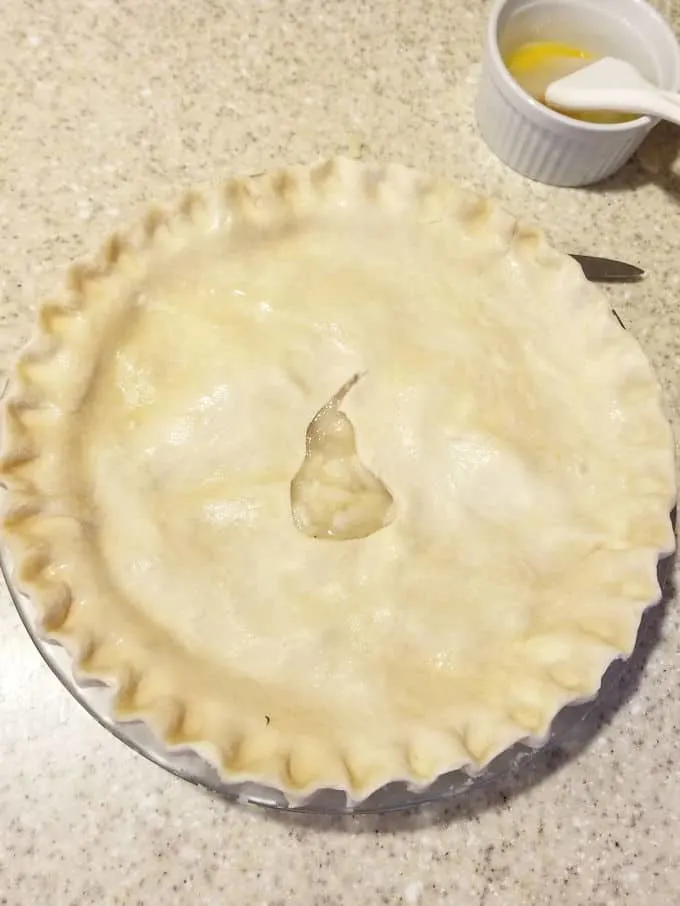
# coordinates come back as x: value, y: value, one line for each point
x: 340, y: 475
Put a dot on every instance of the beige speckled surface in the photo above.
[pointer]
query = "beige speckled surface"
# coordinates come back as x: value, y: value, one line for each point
x: 105, y: 105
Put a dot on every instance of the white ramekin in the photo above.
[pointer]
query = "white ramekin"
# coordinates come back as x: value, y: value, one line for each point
x: 547, y: 146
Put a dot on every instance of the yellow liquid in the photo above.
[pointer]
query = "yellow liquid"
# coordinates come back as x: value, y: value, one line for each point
x: 536, y: 64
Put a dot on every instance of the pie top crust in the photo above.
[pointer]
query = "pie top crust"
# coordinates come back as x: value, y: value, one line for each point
x: 510, y: 430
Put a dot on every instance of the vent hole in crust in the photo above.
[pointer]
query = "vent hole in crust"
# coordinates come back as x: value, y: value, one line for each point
x: 334, y: 495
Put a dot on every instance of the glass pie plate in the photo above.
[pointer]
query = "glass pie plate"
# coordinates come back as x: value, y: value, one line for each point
x: 95, y: 697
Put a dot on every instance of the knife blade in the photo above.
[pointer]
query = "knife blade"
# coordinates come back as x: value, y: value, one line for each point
x: 607, y: 270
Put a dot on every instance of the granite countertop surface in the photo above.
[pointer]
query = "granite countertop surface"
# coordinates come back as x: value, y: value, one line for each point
x: 107, y: 105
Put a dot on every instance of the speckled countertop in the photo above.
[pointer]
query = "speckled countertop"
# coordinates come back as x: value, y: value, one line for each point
x: 106, y: 105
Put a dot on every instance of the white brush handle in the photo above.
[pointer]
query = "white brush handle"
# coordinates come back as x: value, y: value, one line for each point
x: 652, y: 103
x: 664, y: 104
x: 672, y: 96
